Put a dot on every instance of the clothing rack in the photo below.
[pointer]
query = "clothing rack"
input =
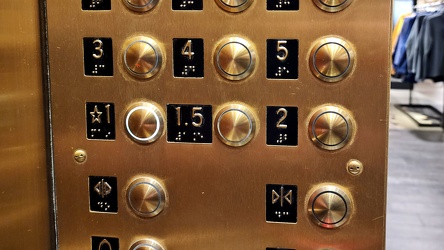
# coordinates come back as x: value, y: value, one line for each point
x: 427, y: 110
x: 427, y: 5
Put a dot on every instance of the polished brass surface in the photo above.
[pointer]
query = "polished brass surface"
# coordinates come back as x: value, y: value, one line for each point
x: 216, y: 192
x: 332, y: 59
x: 235, y: 58
x: 329, y: 206
x: 146, y: 245
x: 80, y: 156
x: 146, y: 197
x: 234, y: 5
x: 144, y: 122
x: 140, y: 5
x: 355, y: 167
x: 332, y: 5
x: 142, y: 57
x: 24, y: 194
x: 236, y: 125
x: 331, y: 128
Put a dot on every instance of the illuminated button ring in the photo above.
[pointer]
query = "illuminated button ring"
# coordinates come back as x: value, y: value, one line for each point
x: 144, y: 122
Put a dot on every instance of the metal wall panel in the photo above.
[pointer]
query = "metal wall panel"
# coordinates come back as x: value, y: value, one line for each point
x: 24, y: 202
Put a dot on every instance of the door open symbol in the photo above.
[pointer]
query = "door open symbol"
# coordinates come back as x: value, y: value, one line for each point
x: 282, y: 197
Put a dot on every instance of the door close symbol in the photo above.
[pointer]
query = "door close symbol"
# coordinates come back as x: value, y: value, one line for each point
x: 105, y: 245
x: 282, y: 197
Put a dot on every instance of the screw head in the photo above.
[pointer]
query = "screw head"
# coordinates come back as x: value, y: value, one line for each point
x: 355, y: 167
x: 80, y: 156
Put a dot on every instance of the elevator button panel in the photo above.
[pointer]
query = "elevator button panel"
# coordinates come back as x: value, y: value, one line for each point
x: 144, y: 122
x: 332, y: 59
x: 142, y: 57
x: 146, y: 245
x: 234, y: 5
x: 146, y: 197
x: 329, y: 206
x: 212, y: 124
x: 332, y: 5
x: 331, y: 128
x: 140, y: 5
x: 236, y: 125
x: 235, y: 58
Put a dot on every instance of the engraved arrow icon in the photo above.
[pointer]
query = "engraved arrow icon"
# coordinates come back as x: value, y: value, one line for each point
x: 105, y: 243
x: 103, y: 188
x: 288, y: 197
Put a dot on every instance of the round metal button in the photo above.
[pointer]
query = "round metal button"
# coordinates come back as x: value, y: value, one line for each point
x: 235, y: 125
x: 235, y: 58
x: 332, y: 5
x: 329, y: 207
x: 330, y: 128
x: 142, y: 57
x: 140, y: 5
x: 234, y: 5
x: 146, y: 197
x: 146, y: 245
x: 144, y: 122
x: 332, y: 59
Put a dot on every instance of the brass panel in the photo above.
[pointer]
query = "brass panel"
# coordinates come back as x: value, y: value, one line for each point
x: 24, y: 202
x: 216, y: 192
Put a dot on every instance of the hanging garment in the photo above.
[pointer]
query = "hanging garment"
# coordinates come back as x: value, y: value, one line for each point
x: 434, y: 46
x: 400, y: 56
x: 396, y: 32
x: 414, y: 42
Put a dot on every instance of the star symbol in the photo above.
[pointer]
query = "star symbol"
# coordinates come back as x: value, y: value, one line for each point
x: 96, y: 115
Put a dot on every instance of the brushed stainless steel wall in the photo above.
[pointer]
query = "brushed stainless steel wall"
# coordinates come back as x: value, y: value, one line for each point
x: 24, y: 202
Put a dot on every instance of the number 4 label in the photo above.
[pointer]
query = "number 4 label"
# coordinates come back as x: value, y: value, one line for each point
x: 188, y: 55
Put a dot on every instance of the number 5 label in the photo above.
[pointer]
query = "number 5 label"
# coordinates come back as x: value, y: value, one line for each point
x: 282, y: 59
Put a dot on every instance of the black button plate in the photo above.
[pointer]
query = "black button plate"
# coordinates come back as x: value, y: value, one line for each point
x: 189, y: 123
x: 188, y: 57
x: 104, y: 243
x: 281, y: 203
x: 283, y: 5
x: 100, y: 121
x: 96, y: 4
x: 282, y: 126
x: 282, y: 59
x: 187, y: 4
x: 98, y: 56
x: 103, y: 194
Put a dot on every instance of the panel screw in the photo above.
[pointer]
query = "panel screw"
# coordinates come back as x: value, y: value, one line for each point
x: 355, y: 167
x: 80, y: 156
